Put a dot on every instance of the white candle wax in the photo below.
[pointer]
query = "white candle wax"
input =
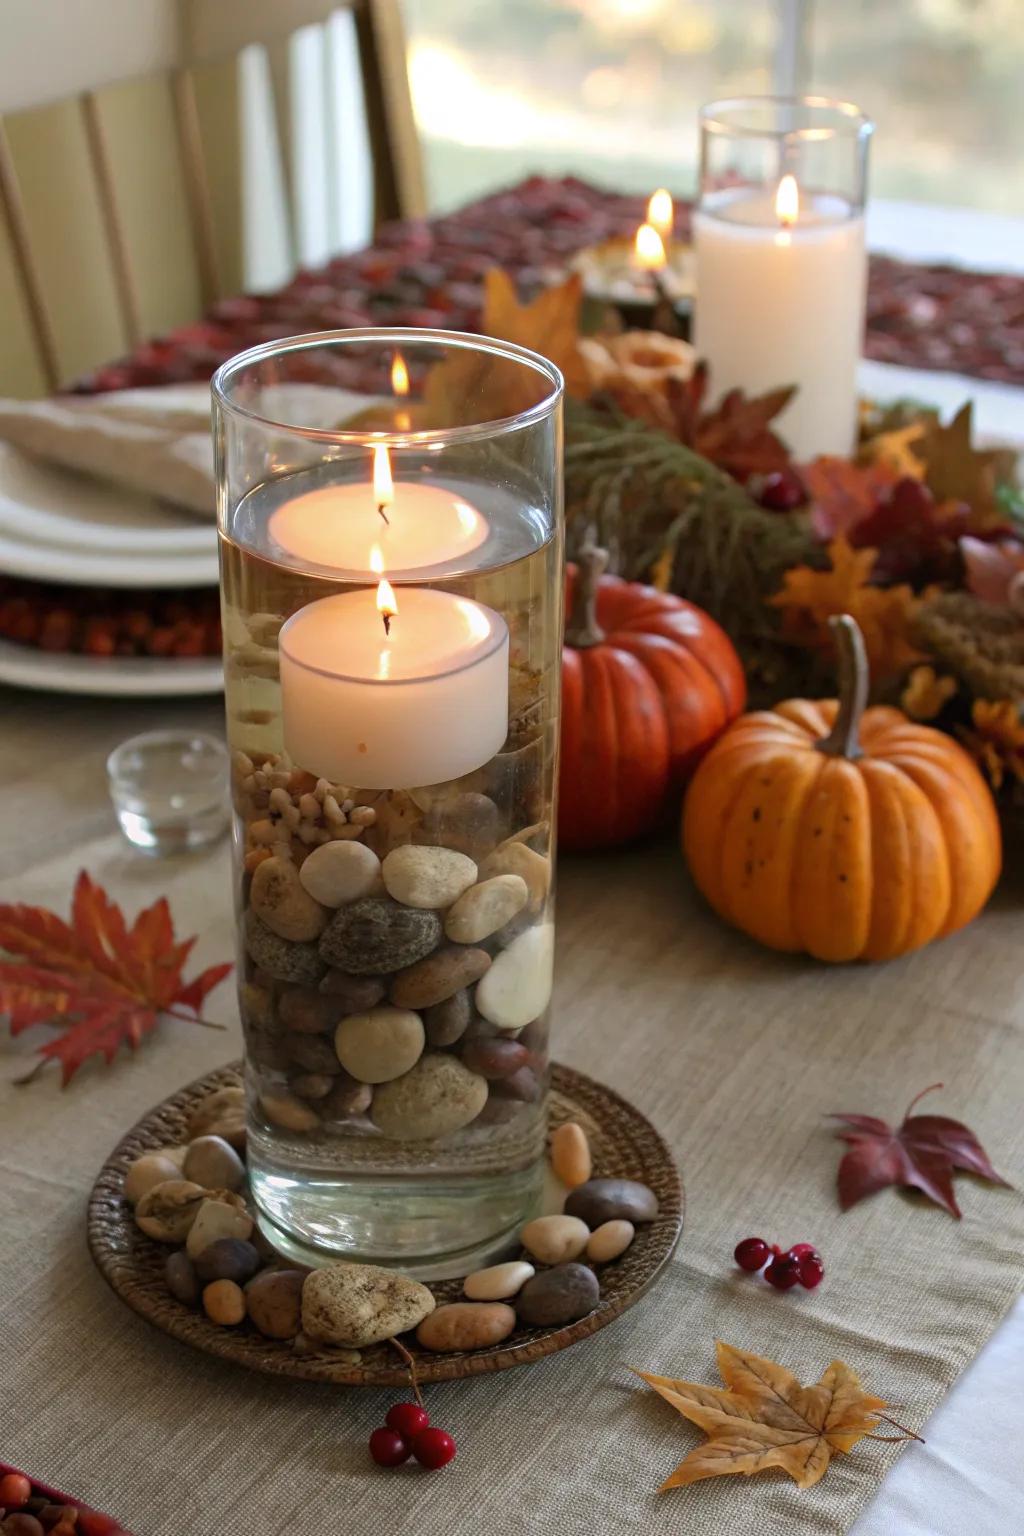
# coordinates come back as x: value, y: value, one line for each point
x: 338, y: 525
x: 784, y: 305
x: 423, y: 705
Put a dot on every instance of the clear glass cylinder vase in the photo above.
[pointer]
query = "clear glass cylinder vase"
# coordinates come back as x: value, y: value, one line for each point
x: 781, y: 265
x: 392, y: 577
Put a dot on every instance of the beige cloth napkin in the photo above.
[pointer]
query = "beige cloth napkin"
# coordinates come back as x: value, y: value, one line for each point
x: 156, y: 441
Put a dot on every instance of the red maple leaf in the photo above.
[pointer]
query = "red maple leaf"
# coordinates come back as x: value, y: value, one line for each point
x: 104, y: 983
x: 921, y: 1154
x: 736, y: 434
x: 843, y: 493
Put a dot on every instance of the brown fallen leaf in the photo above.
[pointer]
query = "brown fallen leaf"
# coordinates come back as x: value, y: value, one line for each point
x: 764, y: 1418
x: 954, y: 470
x: 809, y: 598
x: 471, y: 386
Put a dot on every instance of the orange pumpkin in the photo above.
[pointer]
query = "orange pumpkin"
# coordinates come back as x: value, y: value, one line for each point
x: 850, y: 833
x: 648, y: 683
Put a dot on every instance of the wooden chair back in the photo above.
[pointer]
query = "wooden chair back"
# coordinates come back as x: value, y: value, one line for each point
x: 122, y: 153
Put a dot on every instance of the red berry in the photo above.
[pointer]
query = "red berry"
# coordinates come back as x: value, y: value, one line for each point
x: 798, y: 1250
x: 782, y: 491
x: 433, y: 1448
x: 387, y: 1448
x: 753, y: 1253
x: 783, y: 1273
x: 15, y: 1490
x: 407, y: 1419
x: 812, y: 1271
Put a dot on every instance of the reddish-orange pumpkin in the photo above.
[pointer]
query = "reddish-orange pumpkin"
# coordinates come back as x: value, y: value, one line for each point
x: 847, y: 832
x: 648, y: 684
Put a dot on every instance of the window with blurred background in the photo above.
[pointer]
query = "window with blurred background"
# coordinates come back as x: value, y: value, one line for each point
x: 609, y: 89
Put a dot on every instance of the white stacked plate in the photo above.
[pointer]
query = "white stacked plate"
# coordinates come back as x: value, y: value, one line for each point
x: 57, y: 526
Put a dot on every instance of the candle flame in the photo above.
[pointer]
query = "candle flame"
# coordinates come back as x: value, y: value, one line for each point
x: 787, y: 202
x: 377, y: 560
x: 661, y: 213
x: 399, y: 375
x: 383, y: 485
x: 649, y: 248
x: 387, y: 605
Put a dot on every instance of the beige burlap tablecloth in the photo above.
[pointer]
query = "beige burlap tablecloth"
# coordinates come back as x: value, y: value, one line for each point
x: 734, y: 1053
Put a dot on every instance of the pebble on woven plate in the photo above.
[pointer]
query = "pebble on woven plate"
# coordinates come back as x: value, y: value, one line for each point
x: 145, y: 1173
x: 221, y: 1113
x: 570, y: 1154
x: 601, y: 1200
x: 359, y: 1304
x: 216, y: 1219
x: 558, y: 1296
x: 224, y: 1303
x: 214, y: 1163
x: 498, y: 1281
x: 166, y: 1212
x: 466, y: 1325
x: 610, y: 1239
x: 274, y: 1297
x: 555, y: 1239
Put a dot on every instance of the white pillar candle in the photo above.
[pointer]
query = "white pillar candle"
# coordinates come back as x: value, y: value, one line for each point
x: 423, y: 704
x: 780, y: 300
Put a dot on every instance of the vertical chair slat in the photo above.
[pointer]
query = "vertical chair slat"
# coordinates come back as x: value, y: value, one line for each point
x: 400, y: 190
x: 66, y: 236
x: 120, y: 259
x: 218, y: 114
x: 137, y: 121
x: 197, y: 183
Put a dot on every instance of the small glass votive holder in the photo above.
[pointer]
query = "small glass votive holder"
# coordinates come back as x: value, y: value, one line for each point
x: 170, y: 790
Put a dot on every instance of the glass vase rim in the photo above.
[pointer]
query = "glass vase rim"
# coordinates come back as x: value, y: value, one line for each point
x: 848, y: 120
x: 397, y: 335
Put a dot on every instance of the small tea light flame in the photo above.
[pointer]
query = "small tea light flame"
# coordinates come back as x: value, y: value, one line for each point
x: 386, y: 599
x: 787, y: 202
x: 399, y: 375
x: 383, y: 484
x: 661, y: 213
x: 649, y: 249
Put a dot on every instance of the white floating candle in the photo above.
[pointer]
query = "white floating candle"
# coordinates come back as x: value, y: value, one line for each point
x: 421, y: 704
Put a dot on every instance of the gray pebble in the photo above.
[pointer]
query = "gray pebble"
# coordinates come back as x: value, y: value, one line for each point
x: 313, y: 1053
x: 446, y: 1022
x: 227, y: 1258
x: 354, y: 994
x: 311, y: 1085
x: 182, y: 1280
x: 379, y: 935
x: 280, y: 958
x: 601, y: 1200
x: 557, y: 1296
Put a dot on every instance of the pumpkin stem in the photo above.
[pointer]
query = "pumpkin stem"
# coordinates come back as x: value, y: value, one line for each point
x: 843, y: 740
x: 582, y: 629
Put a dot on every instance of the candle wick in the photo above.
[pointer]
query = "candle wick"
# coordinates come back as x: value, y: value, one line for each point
x: 380, y: 509
x: 387, y: 623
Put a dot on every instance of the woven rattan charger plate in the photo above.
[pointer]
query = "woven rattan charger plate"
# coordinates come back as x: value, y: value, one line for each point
x: 624, y: 1144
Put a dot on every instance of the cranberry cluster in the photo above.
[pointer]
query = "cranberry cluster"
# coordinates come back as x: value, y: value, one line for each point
x: 800, y: 1264
x: 407, y: 1431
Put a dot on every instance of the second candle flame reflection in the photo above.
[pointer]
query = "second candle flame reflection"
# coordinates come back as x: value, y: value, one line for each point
x: 787, y: 202
x: 649, y: 249
x: 383, y: 484
x: 400, y: 387
x: 661, y: 212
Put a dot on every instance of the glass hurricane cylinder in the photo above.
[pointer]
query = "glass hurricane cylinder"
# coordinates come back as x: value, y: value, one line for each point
x: 780, y: 258
x: 392, y: 575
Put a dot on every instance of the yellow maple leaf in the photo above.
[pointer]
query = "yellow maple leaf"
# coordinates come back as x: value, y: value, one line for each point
x: 997, y: 741
x: 764, y: 1418
x: 926, y: 693
x: 471, y: 386
x: 809, y: 598
x: 895, y: 450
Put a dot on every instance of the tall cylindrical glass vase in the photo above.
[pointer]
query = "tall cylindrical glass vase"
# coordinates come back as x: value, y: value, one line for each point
x: 392, y: 575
